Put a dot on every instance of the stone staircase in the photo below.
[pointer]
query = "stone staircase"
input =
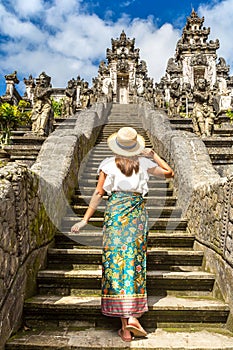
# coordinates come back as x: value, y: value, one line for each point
x: 25, y: 146
x: 219, y: 145
x: 65, y: 313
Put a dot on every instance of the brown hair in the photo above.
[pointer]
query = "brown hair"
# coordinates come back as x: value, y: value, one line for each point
x: 127, y: 165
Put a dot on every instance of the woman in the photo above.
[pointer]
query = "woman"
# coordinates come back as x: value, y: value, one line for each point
x: 124, y: 177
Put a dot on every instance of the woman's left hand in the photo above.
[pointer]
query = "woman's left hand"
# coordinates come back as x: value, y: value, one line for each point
x: 78, y: 226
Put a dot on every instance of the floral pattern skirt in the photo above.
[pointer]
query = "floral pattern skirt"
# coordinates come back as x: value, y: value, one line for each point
x: 124, y: 256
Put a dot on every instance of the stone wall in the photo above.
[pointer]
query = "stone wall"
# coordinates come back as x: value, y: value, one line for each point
x: 25, y: 233
x: 206, y: 199
x: 32, y: 204
x: 210, y: 218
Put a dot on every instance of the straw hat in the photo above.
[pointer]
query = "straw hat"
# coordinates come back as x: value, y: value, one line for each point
x: 126, y: 142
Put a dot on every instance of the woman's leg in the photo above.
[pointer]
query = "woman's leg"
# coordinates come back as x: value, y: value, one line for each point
x: 123, y: 332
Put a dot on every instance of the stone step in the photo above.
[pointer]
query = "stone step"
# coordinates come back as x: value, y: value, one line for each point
x: 165, y: 309
x: 155, y: 182
x: 72, y: 119
x: 116, y: 119
x: 102, y: 138
x: 114, y: 125
x: 223, y: 132
x: 150, y: 200
x: 68, y: 122
x: 218, y: 141
x: 4, y: 155
x: 158, y: 192
x: 84, y: 338
x: 161, y: 258
x: 29, y: 138
x: 100, y: 142
x: 155, y: 212
x: 91, y: 169
x: 65, y: 282
x: 94, y: 239
x: 180, y: 121
x: 154, y: 223
x: 222, y: 162
x: 97, y: 158
x: 64, y: 125
x: 23, y: 158
x: 182, y: 127
x: 221, y: 155
x: 18, y: 150
x: 222, y: 151
x: 111, y: 127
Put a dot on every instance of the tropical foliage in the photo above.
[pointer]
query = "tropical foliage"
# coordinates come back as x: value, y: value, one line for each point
x: 11, y: 117
x: 229, y: 113
x: 57, y: 107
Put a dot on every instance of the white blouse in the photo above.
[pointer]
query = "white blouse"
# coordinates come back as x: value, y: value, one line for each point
x: 117, y: 181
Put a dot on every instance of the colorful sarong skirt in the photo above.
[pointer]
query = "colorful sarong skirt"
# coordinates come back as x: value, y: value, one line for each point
x: 124, y: 256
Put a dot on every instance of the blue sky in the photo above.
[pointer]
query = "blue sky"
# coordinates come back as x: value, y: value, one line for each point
x: 67, y: 38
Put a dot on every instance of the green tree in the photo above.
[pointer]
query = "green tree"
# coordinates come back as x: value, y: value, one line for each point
x: 24, y: 112
x: 10, y: 118
x: 57, y: 107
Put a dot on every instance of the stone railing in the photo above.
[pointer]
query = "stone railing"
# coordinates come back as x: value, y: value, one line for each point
x: 206, y: 199
x: 33, y: 202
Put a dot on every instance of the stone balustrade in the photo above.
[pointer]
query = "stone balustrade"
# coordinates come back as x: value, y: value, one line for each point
x: 206, y: 198
x: 33, y: 202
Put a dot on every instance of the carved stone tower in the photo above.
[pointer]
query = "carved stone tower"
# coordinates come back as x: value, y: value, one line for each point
x: 123, y: 74
x: 196, y: 54
x: 196, y: 58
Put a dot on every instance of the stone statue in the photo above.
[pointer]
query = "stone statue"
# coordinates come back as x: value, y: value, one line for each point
x: 11, y: 80
x: 69, y: 102
x: 175, y: 98
x: 159, y: 95
x: 42, y: 113
x: 110, y: 92
x: 203, y: 113
x: 103, y: 69
x: 85, y: 95
x: 30, y: 86
x: 187, y: 98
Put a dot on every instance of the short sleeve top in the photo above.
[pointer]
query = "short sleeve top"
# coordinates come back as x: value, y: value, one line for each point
x: 117, y: 181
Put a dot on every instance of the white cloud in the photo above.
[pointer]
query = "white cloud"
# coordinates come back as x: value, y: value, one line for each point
x: 127, y: 3
x: 13, y: 27
x: 27, y: 8
x: 81, y: 36
x: 65, y: 41
x: 156, y: 44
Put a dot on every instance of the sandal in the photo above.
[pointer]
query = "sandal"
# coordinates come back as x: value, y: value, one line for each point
x: 137, y: 332
x: 120, y: 333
